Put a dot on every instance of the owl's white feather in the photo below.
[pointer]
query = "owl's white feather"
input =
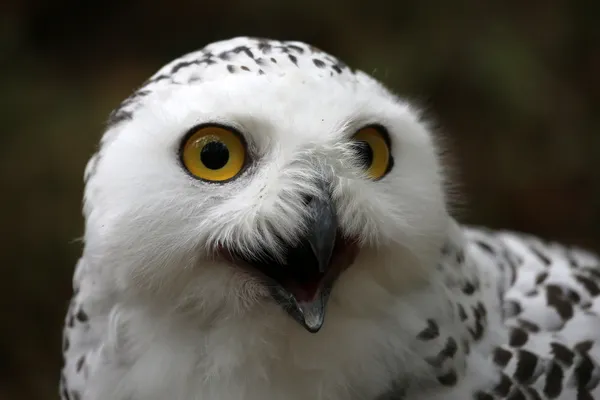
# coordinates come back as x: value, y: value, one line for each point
x: 418, y: 315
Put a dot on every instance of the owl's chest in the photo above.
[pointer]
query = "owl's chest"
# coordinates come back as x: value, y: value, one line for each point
x: 291, y: 370
x: 248, y: 363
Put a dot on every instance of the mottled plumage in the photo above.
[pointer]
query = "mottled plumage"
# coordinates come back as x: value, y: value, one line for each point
x: 171, y: 300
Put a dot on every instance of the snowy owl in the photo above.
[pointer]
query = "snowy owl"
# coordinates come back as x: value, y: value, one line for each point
x: 265, y: 222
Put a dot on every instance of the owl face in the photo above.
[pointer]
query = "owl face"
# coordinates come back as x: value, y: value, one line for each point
x: 253, y: 188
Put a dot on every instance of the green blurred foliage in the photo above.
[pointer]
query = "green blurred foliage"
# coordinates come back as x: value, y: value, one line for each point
x: 512, y: 87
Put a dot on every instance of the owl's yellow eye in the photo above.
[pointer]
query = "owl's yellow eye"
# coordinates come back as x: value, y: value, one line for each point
x: 214, y: 153
x: 374, y: 151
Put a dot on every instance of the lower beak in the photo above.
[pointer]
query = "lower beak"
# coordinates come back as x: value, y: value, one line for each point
x: 310, y: 314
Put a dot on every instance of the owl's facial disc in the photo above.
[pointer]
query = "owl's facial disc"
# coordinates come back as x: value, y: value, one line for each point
x: 302, y: 283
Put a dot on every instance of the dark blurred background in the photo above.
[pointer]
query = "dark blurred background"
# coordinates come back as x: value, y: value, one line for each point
x: 514, y: 87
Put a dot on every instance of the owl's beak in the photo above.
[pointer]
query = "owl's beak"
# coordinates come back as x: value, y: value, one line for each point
x: 302, y: 282
x: 305, y: 299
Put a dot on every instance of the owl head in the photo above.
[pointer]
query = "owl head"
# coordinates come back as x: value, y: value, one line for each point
x: 258, y: 176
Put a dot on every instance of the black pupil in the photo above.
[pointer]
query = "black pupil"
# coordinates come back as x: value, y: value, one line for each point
x: 365, y: 153
x: 214, y: 155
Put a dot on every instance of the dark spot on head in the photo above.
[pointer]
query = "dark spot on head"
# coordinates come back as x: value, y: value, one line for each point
x: 118, y: 116
x: 182, y: 64
x: 486, y: 247
x: 296, y: 48
x: 318, y: 63
x: 81, y: 316
x: 541, y: 256
x: 336, y: 69
x: 158, y: 78
x: 230, y: 68
x: 141, y: 93
x: 264, y: 46
x: 243, y: 49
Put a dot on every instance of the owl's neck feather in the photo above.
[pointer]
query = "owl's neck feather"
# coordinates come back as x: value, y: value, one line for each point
x: 394, y: 344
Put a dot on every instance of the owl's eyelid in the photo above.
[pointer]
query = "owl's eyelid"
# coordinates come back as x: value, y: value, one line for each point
x: 252, y: 151
x: 352, y: 128
x: 209, y: 124
x: 379, y: 127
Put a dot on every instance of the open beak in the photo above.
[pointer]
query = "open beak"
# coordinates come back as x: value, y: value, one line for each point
x: 302, y: 283
x: 306, y: 301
